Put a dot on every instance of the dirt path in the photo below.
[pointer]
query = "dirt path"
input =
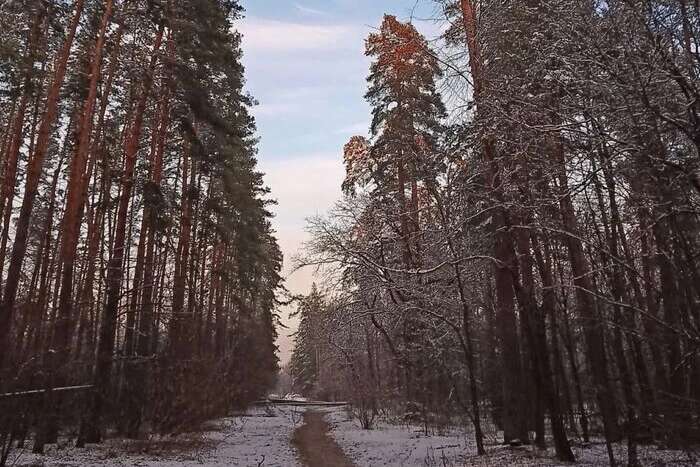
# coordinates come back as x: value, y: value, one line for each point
x: 315, y: 446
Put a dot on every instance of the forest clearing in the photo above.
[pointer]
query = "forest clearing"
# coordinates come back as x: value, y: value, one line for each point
x: 470, y: 227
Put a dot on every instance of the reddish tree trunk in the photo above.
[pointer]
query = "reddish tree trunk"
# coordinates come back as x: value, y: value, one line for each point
x: 34, y: 170
x: 115, y: 266
x: 180, y: 320
x: 77, y: 185
x: 15, y: 137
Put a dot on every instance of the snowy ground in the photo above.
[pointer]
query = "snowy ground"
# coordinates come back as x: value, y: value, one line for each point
x: 401, y: 446
x: 404, y: 446
x: 263, y: 437
x: 589, y: 456
x: 260, y: 438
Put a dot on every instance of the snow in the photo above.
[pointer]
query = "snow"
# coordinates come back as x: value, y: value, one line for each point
x: 407, y: 446
x: 261, y: 437
x: 402, y: 446
x: 295, y: 398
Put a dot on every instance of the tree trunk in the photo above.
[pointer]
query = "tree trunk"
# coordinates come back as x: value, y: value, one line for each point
x: 34, y: 170
x: 535, y: 327
x: 180, y: 319
x: 593, y: 325
x: 515, y: 426
x: 115, y: 268
x: 77, y: 183
x: 15, y: 134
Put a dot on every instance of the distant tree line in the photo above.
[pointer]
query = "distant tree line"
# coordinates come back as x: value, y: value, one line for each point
x: 529, y: 253
x: 136, y: 249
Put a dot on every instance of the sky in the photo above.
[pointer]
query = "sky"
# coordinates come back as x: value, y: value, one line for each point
x: 305, y: 66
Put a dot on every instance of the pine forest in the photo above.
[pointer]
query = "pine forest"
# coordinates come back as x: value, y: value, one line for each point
x: 509, y: 273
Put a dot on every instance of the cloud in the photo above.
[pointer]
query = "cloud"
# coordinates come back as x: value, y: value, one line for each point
x: 309, y: 11
x: 304, y: 187
x: 283, y: 103
x: 274, y: 109
x: 309, y: 75
x: 281, y: 36
x: 359, y: 128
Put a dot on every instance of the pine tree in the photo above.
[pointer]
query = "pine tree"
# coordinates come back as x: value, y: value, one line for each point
x: 306, y: 361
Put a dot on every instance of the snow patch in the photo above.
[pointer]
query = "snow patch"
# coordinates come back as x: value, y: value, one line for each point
x: 406, y: 446
x: 261, y: 437
x: 389, y: 445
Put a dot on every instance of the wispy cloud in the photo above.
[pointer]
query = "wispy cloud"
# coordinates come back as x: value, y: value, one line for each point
x: 309, y: 11
x: 275, y: 108
x: 359, y: 128
x: 300, y: 101
x: 304, y: 186
x: 281, y: 36
x: 305, y: 63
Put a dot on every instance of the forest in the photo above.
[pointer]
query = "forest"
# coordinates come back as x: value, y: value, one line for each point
x: 139, y: 267
x: 516, y: 251
x: 519, y: 238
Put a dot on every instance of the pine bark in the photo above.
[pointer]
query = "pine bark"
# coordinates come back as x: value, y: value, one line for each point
x: 115, y: 268
x: 77, y: 185
x: 36, y: 163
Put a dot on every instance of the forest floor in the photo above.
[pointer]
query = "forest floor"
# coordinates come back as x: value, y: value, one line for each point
x: 409, y: 446
x: 262, y: 437
x: 288, y: 436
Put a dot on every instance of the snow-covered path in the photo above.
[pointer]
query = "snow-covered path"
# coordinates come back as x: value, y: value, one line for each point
x: 261, y: 439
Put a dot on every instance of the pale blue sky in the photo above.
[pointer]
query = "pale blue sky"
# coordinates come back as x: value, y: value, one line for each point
x: 305, y: 65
